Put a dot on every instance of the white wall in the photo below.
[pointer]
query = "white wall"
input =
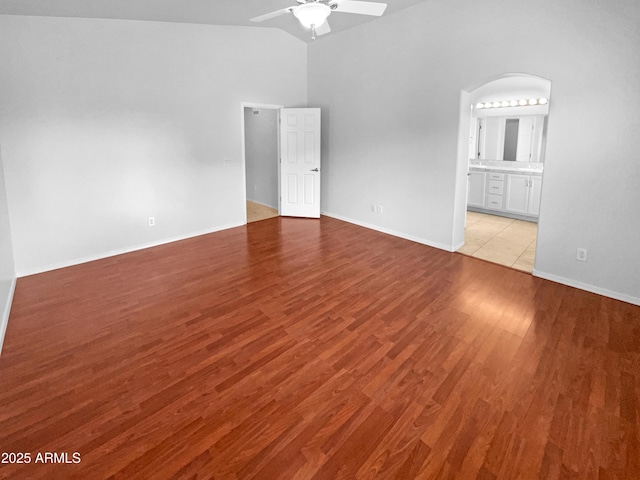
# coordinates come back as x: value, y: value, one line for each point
x: 105, y: 123
x: 7, y: 270
x: 390, y: 91
x: 261, y: 155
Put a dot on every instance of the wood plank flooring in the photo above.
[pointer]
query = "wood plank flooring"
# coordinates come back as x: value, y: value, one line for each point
x: 316, y: 349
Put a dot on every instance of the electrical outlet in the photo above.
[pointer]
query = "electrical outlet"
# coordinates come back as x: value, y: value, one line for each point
x: 379, y: 209
x: 152, y: 221
x: 255, y: 188
x: 373, y: 208
x: 582, y: 254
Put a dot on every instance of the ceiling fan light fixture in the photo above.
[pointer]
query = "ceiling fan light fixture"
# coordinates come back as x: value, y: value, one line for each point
x: 312, y: 14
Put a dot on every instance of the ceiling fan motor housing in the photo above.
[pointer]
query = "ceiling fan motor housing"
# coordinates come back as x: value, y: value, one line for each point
x: 313, y: 14
x: 330, y: 3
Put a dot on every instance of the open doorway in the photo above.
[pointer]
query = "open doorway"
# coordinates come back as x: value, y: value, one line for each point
x: 504, y: 167
x: 261, y: 153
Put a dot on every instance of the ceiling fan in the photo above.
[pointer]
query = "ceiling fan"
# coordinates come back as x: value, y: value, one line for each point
x: 313, y: 13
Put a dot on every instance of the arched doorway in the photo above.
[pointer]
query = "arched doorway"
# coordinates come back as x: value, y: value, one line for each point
x: 501, y: 154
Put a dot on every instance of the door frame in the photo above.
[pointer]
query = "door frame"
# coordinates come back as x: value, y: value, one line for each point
x: 267, y: 106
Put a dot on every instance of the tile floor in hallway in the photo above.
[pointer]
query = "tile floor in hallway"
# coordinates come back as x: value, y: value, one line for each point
x: 257, y: 212
x: 500, y: 240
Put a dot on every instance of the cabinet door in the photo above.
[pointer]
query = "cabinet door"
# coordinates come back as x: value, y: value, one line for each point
x: 493, y: 141
x: 525, y: 137
x: 535, y: 191
x: 476, y: 189
x: 517, y: 194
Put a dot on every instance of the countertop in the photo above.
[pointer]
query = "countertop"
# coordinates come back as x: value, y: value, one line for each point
x: 505, y: 167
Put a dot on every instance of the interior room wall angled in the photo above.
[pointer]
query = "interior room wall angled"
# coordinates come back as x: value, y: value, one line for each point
x: 391, y: 91
x: 105, y: 123
x: 7, y: 268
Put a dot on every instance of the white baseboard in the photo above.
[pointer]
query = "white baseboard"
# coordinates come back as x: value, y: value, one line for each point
x: 395, y: 233
x: 4, y: 320
x: 457, y: 247
x: 112, y: 253
x: 589, y: 288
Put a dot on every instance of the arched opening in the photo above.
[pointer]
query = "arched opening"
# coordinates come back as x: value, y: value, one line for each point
x: 501, y: 154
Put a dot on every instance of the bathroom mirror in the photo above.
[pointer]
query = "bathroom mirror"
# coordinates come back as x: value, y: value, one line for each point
x: 510, y: 138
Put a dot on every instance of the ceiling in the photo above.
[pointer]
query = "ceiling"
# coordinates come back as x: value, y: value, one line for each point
x: 212, y: 12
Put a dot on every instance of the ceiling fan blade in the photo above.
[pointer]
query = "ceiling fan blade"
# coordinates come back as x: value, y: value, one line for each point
x: 323, y: 29
x: 363, y: 8
x: 269, y: 16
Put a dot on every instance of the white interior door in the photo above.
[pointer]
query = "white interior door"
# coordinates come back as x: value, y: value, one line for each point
x: 300, y: 162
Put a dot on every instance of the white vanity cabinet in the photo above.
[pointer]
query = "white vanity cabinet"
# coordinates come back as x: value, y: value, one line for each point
x: 517, y: 193
x: 495, y: 190
x: 476, y: 190
x: 523, y: 194
x: 512, y: 194
x: 535, y: 193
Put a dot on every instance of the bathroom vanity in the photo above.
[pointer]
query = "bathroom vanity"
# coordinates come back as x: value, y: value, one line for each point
x: 506, y: 163
x: 507, y: 188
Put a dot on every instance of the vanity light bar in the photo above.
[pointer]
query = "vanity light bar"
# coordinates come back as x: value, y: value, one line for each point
x: 513, y: 103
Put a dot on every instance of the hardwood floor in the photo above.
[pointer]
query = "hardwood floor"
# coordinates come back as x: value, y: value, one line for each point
x: 316, y: 349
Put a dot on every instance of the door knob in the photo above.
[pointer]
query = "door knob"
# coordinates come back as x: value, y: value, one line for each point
x: 314, y: 170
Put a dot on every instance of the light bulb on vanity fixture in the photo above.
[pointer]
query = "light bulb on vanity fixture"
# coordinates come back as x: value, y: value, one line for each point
x: 512, y: 103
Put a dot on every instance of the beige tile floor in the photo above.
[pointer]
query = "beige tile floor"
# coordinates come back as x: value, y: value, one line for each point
x: 500, y: 240
x: 257, y: 212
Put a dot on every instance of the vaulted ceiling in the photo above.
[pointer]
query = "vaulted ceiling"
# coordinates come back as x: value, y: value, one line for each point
x: 213, y: 12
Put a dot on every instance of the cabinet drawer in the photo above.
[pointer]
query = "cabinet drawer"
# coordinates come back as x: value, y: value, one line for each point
x: 494, y: 202
x: 496, y: 176
x: 495, y: 187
